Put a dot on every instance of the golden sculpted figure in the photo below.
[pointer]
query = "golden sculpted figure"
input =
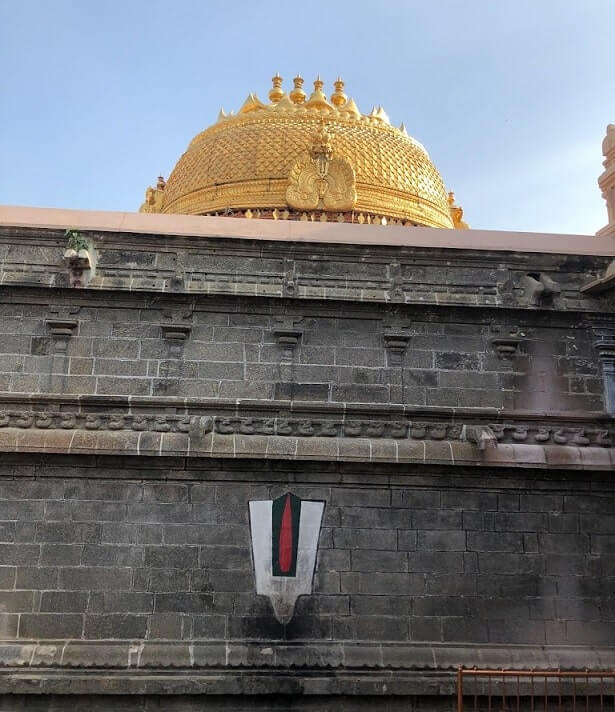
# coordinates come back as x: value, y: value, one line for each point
x: 153, y: 197
x: 318, y: 181
x: 456, y: 213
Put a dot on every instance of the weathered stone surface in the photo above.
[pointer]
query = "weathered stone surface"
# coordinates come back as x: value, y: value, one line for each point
x: 133, y: 445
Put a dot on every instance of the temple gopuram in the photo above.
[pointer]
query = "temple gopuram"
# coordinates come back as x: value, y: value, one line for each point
x: 294, y: 437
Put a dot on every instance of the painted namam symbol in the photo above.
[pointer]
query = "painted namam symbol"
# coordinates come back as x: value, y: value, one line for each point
x: 285, y: 535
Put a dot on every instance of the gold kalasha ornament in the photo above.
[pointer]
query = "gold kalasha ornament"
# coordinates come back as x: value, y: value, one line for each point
x: 307, y: 159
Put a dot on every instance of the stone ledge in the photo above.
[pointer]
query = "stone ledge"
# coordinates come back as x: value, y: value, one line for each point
x: 342, y: 449
x: 140, y: 656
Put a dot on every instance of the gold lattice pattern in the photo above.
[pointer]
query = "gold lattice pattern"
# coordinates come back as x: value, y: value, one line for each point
x: 245, y: 161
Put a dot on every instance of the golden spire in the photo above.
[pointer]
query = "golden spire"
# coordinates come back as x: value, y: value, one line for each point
x: 338, y: 98
x: 297, y: 94
x: 317, y: 99
x: 276, y: 92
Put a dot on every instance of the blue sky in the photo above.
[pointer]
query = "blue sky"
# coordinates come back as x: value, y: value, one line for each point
x: 510, y: 97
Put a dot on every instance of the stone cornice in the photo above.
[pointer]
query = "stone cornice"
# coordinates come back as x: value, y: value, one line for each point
x: 92, y: 425
x: 436, y: 275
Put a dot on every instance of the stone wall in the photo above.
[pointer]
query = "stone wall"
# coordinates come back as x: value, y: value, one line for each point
x: 153, y: 552
x: 446, y: 405
x: 55, y: 342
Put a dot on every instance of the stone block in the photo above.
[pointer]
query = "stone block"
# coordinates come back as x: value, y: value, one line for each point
x: 7, y: 577
x: 36, y: 577
x: 171, y: 557
x: 221, y: 580
x: 378, y: 628
x: 117, y: 626
x: 112, y: 554
x: 167, y: 580
x: 19, y: 554
x: 356, y: 393
x: 377, y: 560
x: 183, y: 602
x: 166, y: 626
x: 349, y: 538
x: 436, y: 562
x: 495, y: 541
x: 158, y: 513
x: 451, y: 540
x: 380, y: 583
x: 68, y: 532
x: 64, y: 602
x: 98, y: 578
x: 462, y: 629
x: 209, y: 627
x: 50, y: 625
x: 376, y: 518
x: 124, y: 602
x: 61, y: 554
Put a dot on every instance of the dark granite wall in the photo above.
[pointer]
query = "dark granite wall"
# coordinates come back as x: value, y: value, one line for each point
x: 105, y: 552
x: 228, y: 371
x: 231, y: 350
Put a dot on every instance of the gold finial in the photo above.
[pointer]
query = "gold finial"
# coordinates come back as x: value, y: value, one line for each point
x: 276, y: 92
x: 338, y: 98
x: 297, y: 94
x: 317, y: 99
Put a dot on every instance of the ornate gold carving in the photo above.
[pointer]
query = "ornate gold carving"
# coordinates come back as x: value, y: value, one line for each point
x: 243, y: 162
x: 154, y: 197
x: 456, y: 213
x: 318, y: 181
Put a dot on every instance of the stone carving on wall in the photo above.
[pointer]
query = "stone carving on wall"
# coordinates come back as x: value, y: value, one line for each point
x: 78, y: 257
x: 285, y: 534
x: 539, y: 288
x: 482, y: 435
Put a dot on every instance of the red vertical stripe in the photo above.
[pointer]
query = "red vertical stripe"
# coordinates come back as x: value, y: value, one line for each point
x: 285, y: 549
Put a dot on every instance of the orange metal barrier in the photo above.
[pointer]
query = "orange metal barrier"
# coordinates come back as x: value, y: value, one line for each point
x: 535, y: 690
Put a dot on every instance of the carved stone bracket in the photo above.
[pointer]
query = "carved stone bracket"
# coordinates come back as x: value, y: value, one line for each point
x: 61, y: 325
x: 176, y: 332
x: 506, y: 345
x: 288, y: 339
x: 396, y: 343
x: 176, y: 327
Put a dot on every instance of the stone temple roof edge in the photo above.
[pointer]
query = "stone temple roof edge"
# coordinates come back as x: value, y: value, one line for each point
x: 294, y: 231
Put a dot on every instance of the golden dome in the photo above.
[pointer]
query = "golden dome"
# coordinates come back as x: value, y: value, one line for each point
x: 308, y: 159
